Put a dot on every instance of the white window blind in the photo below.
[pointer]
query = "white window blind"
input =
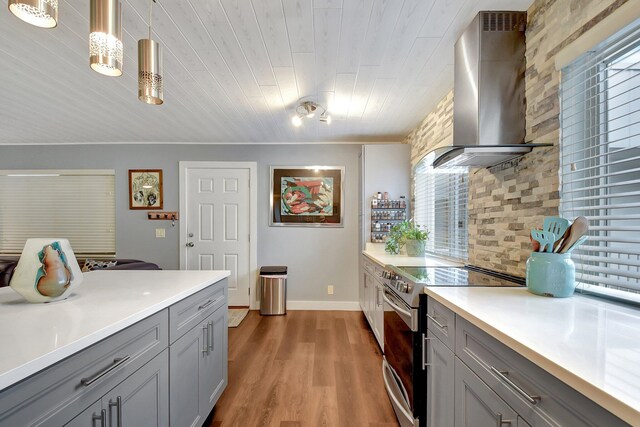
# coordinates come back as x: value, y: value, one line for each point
x: 600, y: 159
x: 76, y: 205
x: 441, y: 204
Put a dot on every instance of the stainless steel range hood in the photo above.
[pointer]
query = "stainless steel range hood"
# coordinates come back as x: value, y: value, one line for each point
x: 489, y: 100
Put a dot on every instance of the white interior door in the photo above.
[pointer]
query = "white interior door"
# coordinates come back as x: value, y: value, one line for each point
x: 217, y: 228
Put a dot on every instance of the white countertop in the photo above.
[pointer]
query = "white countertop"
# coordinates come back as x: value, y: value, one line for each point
x: 376, y: 253
x: 36, y: 336
x: 591, y: 344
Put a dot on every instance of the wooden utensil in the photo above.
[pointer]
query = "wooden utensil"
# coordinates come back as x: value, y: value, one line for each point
x: 557, y: 226
x: 579, y: 228
x: 546, y: 239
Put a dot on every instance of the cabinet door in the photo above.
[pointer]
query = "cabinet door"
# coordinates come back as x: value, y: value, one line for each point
x: 93, y: 416
x: 440, y: 383
x: 476, y: 404
x: 185, y: 368
x: 143, y: 398
x: 214, y: 363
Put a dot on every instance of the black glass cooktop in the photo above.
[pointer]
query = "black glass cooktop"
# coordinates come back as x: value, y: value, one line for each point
x: 455, y: 276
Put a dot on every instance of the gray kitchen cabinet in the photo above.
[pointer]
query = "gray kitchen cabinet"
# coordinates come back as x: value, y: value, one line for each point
x: 476, y: 404
x: 140, y: 400
x: 198, y: 370
x: 440, y: 383
x: 143, y: 398
x: 373, y: 306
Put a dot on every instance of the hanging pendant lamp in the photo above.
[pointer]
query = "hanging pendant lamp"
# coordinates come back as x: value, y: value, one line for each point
x: 150, y: 68
x: 105, y: 40
x: 41, y: 13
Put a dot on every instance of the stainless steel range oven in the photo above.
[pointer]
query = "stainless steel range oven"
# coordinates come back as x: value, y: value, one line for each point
x: 401, y: 341
x: 405, y: 327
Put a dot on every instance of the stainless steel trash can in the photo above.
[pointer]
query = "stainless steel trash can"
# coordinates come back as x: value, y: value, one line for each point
x: 273, y: 290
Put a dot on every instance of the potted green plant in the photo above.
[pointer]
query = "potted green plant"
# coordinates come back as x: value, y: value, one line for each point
x: 409, y: 234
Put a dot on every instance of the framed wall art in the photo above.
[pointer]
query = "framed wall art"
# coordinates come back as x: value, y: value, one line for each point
x: 145, y: 189
x: 307, y: 196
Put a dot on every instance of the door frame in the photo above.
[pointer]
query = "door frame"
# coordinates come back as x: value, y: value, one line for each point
x: 184, y: 167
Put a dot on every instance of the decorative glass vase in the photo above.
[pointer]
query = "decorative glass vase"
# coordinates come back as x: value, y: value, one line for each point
x: 551, y: 274
x: 415, y: 247
x: 47, y: 271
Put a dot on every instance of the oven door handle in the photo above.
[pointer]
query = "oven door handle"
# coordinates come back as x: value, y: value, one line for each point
x: 395, y: 306
x: 402, y: 406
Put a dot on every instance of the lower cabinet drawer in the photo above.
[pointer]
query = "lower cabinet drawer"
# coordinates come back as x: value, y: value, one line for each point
x: 441, y: 322
x: 56, y: 395
x: 189, y: 312
x: 537, y: 396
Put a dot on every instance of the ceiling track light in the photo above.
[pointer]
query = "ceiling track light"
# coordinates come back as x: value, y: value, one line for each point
x: 105, y: 38
x: 150, y: 84
x: 307, y: 110
x: 40, y: 13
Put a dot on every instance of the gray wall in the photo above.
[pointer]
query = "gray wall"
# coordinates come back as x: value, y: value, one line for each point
x: 316, y: 257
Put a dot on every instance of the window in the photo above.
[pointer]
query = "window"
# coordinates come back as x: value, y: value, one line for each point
x: 600, y: 161
x: 76, y: 205
x: 441, y: 205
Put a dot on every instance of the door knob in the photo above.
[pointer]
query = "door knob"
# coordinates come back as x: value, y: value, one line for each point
x: 190, y: 244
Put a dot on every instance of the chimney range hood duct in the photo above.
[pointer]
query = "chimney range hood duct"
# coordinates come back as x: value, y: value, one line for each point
x: 489, y: 102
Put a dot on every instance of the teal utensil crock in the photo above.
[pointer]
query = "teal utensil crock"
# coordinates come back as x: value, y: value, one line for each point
x: 551, y: 274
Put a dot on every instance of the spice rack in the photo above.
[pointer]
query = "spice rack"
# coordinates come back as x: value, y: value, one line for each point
x: 384, y: 215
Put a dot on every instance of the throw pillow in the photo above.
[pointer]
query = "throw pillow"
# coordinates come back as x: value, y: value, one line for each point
x: 93, y: 264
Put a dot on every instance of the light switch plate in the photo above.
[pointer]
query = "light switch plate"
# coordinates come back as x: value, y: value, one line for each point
x: 160, y: 233
x: 330, y: 290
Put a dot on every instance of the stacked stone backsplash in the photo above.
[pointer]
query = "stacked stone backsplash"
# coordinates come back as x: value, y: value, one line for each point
x: 505, y: 202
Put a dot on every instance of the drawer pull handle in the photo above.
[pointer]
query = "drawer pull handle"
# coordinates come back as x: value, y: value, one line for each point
x: 116, y: 362
x: 438, y: 324
x: 118, y: 405
x: 206, y: 304
x: 102, y: 417
x: 500, y: 421
x: 425, y: 341
x: 502, y: 375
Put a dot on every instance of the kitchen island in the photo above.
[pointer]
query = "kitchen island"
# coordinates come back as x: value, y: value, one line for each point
x: 66, y: 358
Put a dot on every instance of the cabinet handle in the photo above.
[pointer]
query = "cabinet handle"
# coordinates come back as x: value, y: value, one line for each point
x: 116, y: 362
x: 206, y: 304
x: 210, y: 336
x: 102, y: 417
x: 205, y: 339
x: 500, y: 422
x: 118, y: 405
x: 502, y: 375
x: 438, y: 324
x: 424, y: 352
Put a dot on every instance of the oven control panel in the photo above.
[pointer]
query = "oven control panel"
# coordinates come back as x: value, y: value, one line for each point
x: 397, y: 282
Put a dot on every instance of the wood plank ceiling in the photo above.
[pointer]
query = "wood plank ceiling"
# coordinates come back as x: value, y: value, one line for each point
x: 235, y: 69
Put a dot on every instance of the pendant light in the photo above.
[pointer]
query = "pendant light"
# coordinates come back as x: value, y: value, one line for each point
x: 105, y: 40
x: 150, y: 68
x: 41, y: 13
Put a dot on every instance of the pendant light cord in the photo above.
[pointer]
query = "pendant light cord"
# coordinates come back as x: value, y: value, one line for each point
x: 151, y: 2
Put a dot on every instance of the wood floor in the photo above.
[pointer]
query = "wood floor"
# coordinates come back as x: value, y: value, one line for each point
x: 308, y: 368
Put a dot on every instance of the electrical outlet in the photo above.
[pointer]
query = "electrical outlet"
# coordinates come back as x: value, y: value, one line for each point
x: 330, y: 290
x: 160, y: 234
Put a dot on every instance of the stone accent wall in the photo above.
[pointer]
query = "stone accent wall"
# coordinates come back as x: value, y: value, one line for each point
x: 505, y: 202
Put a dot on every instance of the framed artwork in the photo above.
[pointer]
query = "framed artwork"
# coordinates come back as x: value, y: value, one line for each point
x: 145, y: 189
x: 307, y: 196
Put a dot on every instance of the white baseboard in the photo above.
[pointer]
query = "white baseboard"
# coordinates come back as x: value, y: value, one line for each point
x: 324, y: 305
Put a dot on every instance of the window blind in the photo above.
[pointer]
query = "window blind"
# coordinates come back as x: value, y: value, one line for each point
x: 441, y: 205
x: 76, y: 205
x: 600, y: 159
